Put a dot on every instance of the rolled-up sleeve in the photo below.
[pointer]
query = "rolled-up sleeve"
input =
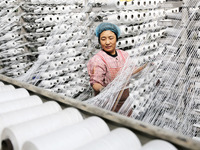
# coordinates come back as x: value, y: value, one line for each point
x: 96, y: 70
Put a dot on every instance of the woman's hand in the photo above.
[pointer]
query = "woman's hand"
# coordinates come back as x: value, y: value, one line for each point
x: 97, y: 88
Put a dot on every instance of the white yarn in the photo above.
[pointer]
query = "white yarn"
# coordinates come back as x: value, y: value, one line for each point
x: 70, y: 137
x: 158, y: 145
x: 20, y: 133
x: 19, y: 116
x: 13, y: 94
x: 6, y: 88
x: 20, y: 104
x: 1, y: 83
x: 118, y: 139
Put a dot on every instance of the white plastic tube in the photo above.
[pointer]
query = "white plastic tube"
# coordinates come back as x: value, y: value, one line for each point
x: 20, y: 65
x: 1, y: 83
x: 121, y: 43
x: 45, y: 57
x: 26, y: 114
x: 72, y: 68
x: 123, y: 30
x: 54, y: 65
x: 114, y: 4
x: 80, y: 89
x: 61, y: 87
x: 13, y: 94
x: 118, y: 139
x: 46, y: 75
x: 10, y: 44
x: 34, y: 1
x: 20, y: 104
x: 135, y: 16
x: 20, y: 133
x: 6, y: 88
x: 158, y: 145
x: 47, y: 10
x: 9, y: 36
x: 144, y: 4
x: 47, y: 83
x: 114, y: 18
x: 70, y: 137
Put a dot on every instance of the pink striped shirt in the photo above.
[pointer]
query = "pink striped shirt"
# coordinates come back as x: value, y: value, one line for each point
x: 100, y: 66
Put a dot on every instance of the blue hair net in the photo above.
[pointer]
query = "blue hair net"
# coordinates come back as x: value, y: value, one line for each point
x: 107, y: 26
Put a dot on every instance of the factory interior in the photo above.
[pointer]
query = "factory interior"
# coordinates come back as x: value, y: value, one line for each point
x: 45, y: 83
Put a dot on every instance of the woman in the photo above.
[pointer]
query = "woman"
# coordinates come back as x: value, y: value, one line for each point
x: 104, y: 66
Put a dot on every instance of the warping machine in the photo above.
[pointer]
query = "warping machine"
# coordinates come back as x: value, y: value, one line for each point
x: 45, y: 46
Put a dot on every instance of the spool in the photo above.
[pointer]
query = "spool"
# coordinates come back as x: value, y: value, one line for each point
x: 42, y: 39
x: 134, y: 29
x: 1, y: 83
x: 54, y: 73
x: 7, y: 145
x: 135, y: 104
x: 133, y: 52
x: 13, y: 94
x: 20, y: 104
x: 46, y: 75
x: 19, y: 66
x: 9, y: 36
x: 81, y: 81
x: 26, y: 114
x: 134, y: 16
x: 39, y: 10
x: 158, y: 145
x: 60, y: 9
x: 20, y: 133
x: 11, y: 44
x: 72, y: 137
x: 45, y: 57
x: 153, y: 45
x: 121, y: 43
x: 34, y: 1
x: 80, y: 89
x: 150, y: 4
x: 72, y: 92
x: 6, y: 88
x: 42, y: 49
x: 46, y: 10
x: 125, y: 17
x: 113, y: 4
x: 73, y: 68
x: 123, y: 30
x: 115, y: 18
x: 137, y: 40
x: 118, y: 139
x: 61, y: 87
x: 127, y: 4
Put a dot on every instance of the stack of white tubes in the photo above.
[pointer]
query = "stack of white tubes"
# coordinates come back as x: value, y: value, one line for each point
x: 26, y: 124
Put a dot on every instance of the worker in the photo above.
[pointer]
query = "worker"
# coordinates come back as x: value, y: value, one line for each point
x: 104, y: 66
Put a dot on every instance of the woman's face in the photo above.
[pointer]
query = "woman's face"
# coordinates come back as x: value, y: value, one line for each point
x: 108, y: 41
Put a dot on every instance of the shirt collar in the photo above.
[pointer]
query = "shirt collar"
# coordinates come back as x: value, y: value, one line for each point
x: 115, y: 55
